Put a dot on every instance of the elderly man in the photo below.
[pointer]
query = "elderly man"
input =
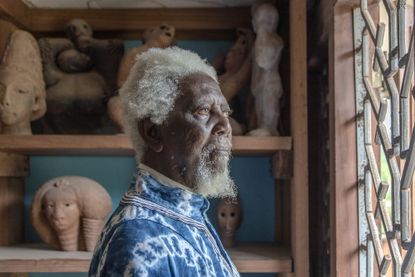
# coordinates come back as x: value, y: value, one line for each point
x: 177, y: 119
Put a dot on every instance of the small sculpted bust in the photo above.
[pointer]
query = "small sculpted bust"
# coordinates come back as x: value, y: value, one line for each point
x: 157, y: 37
x: 69, y: 212
x: 80, y: 75
x: 266, y: 84
x: 229, y: 218
x: 22, y: 90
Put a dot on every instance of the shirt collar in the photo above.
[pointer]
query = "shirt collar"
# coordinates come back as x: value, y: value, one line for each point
x: 153, y: 186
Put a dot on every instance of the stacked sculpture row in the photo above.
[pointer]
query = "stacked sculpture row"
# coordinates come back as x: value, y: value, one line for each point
x: 82, y: 75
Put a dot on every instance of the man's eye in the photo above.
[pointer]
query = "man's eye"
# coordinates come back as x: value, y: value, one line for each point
x: 203, y: 111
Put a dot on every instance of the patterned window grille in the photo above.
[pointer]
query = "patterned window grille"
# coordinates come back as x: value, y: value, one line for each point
x: 385, y: 119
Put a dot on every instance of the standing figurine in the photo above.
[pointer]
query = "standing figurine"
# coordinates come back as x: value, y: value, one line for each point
x: 69, y: 212
x: 266, y: 84
x: 229, y: 218
x: 158, y: 37
x: 22, y: 90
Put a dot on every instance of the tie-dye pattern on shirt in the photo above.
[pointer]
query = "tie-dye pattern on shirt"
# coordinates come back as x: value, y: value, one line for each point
x: 159, y: 230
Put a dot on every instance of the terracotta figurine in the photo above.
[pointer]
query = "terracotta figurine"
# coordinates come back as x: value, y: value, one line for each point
x: 22, y: 90
x: 228, y: 218
x: 158, y: 37
x: 80, y: 73
x: 237, y: 64
x: 69, y: 212
x: 266, y: 84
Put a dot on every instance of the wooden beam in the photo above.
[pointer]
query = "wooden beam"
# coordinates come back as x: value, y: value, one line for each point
x: 16, y: 11
x: 13, y: 165
x: 343, y: 175
x: 299, y: 188
x: 120, y: 145
x: 138, y: 34
x: 50, y: 20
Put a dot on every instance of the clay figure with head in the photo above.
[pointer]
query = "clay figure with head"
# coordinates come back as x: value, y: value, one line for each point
x: 237, y: 64
x: 22, y: 90
x: 159, y: 37
x: 60, y: 207
x: 80, y: 74
x: 266, y: 84
x: 68, y: 212
x: 228, y: 218
x: 178, y: 120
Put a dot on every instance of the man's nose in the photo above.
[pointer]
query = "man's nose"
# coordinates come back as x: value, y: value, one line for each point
x: 222, y: 127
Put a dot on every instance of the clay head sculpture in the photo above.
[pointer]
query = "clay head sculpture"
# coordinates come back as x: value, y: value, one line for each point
x: 159, y: 37
x: 177, y: 119
x: 22, y: 90
x: 228, y: 218
x: 77, y: 28
x: 69, y: 212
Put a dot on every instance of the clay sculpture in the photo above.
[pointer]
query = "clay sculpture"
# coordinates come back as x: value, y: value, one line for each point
x: 80, y: 73
x: 266, y: 84
x: 228, y: 218
x: 158, y: 37
x: 22, y: 90
x: 69, y: 212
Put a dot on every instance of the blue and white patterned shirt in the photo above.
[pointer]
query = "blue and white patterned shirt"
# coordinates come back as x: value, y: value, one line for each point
x: 160, y: 229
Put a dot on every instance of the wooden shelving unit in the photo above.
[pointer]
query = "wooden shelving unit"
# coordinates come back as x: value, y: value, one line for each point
x: 252, y: 257
x: 120, y: 145
x: 217, y: 23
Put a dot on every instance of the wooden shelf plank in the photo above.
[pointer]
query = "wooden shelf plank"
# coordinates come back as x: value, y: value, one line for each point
x: 119, y: 145
x: 259, y: 257
x: 201, y: 19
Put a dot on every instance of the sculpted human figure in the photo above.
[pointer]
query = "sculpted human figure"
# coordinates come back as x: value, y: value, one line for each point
x: 228, y: 218
x: 157, y: 37
x: 237, y: 64
x: 80, y: 74
x: 266, y: 84
x: 22, y: 90
x: 69, y: 212
x: 177, y: 119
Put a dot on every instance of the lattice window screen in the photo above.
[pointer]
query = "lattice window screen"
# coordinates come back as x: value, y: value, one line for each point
x: 385, y: 121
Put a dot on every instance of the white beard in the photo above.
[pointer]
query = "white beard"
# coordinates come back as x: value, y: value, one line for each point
x: 213, y: 183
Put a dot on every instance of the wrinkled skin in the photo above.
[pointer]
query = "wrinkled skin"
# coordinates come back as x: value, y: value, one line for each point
x: 198, y: 121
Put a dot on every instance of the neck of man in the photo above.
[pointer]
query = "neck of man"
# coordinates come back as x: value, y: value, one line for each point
x: 170, y: 167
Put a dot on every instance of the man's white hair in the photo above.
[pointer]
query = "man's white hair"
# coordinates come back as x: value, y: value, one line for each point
x: 152, y: 87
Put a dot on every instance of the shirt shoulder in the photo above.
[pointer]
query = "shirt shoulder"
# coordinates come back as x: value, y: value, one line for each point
x: 145, y: 248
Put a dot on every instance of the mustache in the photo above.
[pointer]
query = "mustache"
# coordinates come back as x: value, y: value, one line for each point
x: 219, y: 145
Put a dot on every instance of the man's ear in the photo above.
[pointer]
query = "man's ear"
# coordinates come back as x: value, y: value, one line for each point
x: 151, y: 134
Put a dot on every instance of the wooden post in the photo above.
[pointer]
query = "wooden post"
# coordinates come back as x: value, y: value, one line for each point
x: 13, y: 169
x: 343, y: 175
x: 299, y: 188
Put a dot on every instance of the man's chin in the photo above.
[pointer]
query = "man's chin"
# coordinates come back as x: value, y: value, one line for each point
x: 216, y: 185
